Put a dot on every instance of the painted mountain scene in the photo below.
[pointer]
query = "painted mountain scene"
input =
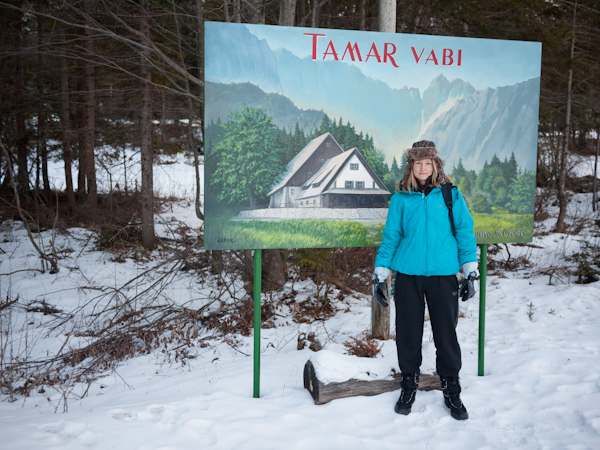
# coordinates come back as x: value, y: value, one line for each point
x: 305, y: 131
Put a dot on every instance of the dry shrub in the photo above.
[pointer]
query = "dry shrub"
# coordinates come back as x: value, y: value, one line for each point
x: 237, y: 320
x: 311, y: 309
x: 541, y: 208
x: 365, y: 347
x: 239, y: 317
x: 495, y: 265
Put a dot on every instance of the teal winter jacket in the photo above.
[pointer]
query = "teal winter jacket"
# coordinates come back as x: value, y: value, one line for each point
x: 418, y: 240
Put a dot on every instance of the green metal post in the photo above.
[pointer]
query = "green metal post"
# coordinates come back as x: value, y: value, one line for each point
x: 257, y: 289
x: 482, y: 288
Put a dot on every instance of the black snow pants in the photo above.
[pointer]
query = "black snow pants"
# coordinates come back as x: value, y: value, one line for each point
x: 441, y: 293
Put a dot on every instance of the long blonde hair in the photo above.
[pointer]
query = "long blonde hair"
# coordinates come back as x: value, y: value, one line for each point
x: 412, y: 184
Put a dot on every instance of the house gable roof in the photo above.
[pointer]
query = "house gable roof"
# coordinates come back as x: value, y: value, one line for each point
x: 322, y: 181
x: 370, y: 170
x: 301, y: 158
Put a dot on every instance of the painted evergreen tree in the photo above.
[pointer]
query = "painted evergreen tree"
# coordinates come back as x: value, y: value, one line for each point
x: 458, y: 173
x: 403, y: 164
x: 480, y: 204
x: 326, y: 126
x: 395, y: 171
x: 249, y: 157
x: 511, y: 168
x: 376, y: 159
x: 521, y: 197
x: 296, y: 142
x: 465, y: 186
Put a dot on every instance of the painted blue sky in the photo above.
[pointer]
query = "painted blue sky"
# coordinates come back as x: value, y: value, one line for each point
x: 484, y: 63
x: 486, y: 105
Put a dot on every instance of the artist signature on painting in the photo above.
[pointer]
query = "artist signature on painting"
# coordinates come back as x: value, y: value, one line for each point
x: 500, y: 233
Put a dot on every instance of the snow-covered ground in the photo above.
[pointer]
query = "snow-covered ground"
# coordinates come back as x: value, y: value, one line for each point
x: 541, y: 388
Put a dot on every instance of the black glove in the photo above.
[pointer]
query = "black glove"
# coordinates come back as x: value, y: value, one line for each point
x: 467, y: 289
x: 380, y: 291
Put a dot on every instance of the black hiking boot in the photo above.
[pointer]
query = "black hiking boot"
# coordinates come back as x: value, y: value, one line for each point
x: 409, y: 384
x: 451, y: 390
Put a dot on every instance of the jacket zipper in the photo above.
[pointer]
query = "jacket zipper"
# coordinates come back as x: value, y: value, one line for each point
x: 426, y: 235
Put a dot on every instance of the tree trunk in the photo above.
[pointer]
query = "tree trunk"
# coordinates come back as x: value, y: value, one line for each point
x: 66, y: 123
x: 192, y: 146
x: 594, y: 188
x: 200, y: 18
x: 287, y: 13
x: 302, y: 12
x: 237, y: 11
x: 562, y: 196
x: 387, y: 16
x: 248, y: 271
x: 272, y: 271
x: 90, y: 174
x: 42, y: 134
x: 324, y: 392
x: 362, y: 14
x: 19, y: 99
x: 380, y: 316
x: 80, y: 126
x: 258, y: 11
x: 147, y: 154
x: 216, y: 262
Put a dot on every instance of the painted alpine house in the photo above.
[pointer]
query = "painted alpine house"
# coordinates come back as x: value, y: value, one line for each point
x: 323, y: 175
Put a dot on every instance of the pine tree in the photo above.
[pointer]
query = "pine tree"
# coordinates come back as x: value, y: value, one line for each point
x: 464, y: 185
x: 403, y: 164
x: 480, y: 204
x: 249, y: 159
x: 511, y: 168
x: 459, y: 172
x: 395, y: 170
x: 295, y: 142
x: 521, y: 197
x: 350, y: 136
x: 376, y: 159
x: 326, y: 125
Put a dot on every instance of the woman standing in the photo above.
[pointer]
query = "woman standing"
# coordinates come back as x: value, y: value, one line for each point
x: 418, y: 243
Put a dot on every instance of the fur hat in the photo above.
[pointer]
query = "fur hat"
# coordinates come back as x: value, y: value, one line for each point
x: 423, y: 150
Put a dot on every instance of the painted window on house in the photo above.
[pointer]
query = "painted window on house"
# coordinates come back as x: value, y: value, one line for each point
x: 349, y: 184
x: 353, y: 166
x: 360, y: 185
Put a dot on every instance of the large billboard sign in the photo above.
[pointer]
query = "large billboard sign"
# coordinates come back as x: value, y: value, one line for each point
x: 306, y: 128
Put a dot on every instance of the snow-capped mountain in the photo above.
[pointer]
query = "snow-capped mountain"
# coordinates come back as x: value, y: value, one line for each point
x: 493, y: 121
x: 441, y: 95
x: 463, y: 122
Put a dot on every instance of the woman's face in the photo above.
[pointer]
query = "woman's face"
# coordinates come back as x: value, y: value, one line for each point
x: 423, y: 169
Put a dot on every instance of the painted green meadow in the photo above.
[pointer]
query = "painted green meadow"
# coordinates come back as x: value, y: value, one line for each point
x: 497, y: 227
x: 503, y: 227
x: 301, y: 233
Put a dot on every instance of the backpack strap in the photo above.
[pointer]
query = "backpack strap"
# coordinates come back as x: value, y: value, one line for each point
x: 447, y: 192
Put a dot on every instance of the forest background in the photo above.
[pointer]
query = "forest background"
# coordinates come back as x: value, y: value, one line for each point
x: 94, y: 83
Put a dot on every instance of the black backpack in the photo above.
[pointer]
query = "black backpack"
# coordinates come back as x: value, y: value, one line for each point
x: 447, y: 193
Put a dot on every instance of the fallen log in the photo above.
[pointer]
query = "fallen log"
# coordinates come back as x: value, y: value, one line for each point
x: 325, y: 392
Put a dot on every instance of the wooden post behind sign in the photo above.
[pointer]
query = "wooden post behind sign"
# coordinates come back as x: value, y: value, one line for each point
x: 380, y: 316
